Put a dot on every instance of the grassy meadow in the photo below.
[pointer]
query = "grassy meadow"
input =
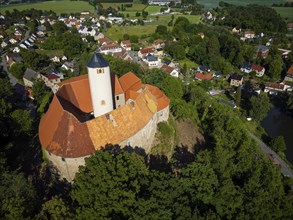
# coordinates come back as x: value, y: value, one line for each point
x: 285, y: 12
x: 215, y: 3
x: 116, y: 32
x: 59, y: 7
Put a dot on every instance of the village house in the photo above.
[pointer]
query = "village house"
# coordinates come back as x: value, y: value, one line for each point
x: 54, y: 58
x: 274, y: 88
x: 11, y: 58
x: 145, y: 51
x: 249, y: 34
x: 172, y: 71
x: 170, y: 63
x: 236, y: 80
x: 289, y: 74
x: 98, y: 36
x: 236, y: 30
x: 51, y: 79
x: 152, y: 61
x: 68, y: 66
x: 248, y: 68
x: 201, y: 34
x: 110, y: 49
x: 126, y: 44
x: 201, y: 76
x: 203, y: 69
x: 29, y: 77
x: 158, y: 44
x: 123, y: 55
x: 261, y: 51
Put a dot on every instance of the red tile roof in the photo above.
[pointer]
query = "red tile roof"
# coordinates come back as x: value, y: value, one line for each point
x: 52, y: 76
x: 202, y: 76
x: 256, y: 67
x: 126, y: 43
x: 130, y: 81
x: 146, y: 50
x: 166, y: 68
x: 274, y: 85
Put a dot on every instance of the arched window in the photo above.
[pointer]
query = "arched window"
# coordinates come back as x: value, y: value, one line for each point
x: 103, y: 102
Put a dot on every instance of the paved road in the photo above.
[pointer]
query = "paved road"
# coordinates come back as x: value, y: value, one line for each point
x: 285, y: 169
x: 3, y: 62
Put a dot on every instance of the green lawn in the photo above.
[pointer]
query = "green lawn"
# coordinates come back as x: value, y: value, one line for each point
x: 59, y: 7
x: 285, y: 12
x: 117, y: 32
x: 189, y: 63
x: 135, y: 7
x: 153, y: 9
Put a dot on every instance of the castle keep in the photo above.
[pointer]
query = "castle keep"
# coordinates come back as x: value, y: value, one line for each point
x: 90, y: 111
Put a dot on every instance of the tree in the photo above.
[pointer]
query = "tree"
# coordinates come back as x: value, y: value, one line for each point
x: 55, y: 209
x: 161, y: 29
x: 278, y: 144
x: 17, y: 69
x: 108, y: 185
x: 39, y: 90
x: 172, y: 88
x: 238, y: 96
x: 6, y: 90
x: 275, y: 67
x: 59, y: 28
x: 22, y: 122
x: 259, y: 106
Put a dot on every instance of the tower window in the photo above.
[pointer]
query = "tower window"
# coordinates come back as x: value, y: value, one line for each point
x: 103, y: 102
x: 100, y: 71
x: 117, y: 97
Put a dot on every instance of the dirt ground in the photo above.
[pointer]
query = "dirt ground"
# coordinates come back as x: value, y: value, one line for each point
x: 189, y: 135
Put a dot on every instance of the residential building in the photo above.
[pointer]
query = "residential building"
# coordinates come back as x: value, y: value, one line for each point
x: 236, y: 80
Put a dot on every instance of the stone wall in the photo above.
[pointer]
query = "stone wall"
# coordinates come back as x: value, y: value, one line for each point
x: 163, y: 115
x: 67, y: 167
x: 144, y: 137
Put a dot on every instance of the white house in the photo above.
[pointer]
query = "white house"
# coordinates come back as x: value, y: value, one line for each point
x: 172, y: 71
x: 152, y: 61
x: 111, y: 48
x: 126, y: 44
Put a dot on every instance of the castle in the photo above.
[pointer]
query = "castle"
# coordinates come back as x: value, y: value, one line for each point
x: 91, y: 111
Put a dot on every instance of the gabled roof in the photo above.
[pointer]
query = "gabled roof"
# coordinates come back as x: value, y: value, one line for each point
x: 236, y: 77
x: 151, y: 58
x: 290, y: 70
x: 126, y: 42
x: 274, y: 85
x: 98, y: 61
x: 202, y: 76
x: 167, y: 69
x: 130, y: 81
x: 30, y: 74
x: 146, y: 50
x: 256, y: 67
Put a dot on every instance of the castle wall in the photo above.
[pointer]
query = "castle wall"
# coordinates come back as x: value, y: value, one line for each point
x: 163, y: 115
x: 144, y: 137
x: 67, y: 167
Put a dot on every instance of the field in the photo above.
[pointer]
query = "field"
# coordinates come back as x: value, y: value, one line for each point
x: 117, y: 32
x: 285, y: 12
x: 215, y: 3
x: 153, y: 9
x: 59, y: 7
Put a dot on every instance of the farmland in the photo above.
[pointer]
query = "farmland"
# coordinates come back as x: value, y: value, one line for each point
x: 285, y: 12
x: 56, y: 6
x: 215, y: 3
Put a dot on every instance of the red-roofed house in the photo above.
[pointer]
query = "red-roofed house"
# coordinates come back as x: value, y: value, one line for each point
x: 289, y: 75
x: 126, y: 44
x: 200, y: 76
x: 258, y: 69
x: 249, y: 34
x: 159, y: 44
x: 274, y: 87
x: 145, y: 51
x: 172, y: 71
x: 110, y: 48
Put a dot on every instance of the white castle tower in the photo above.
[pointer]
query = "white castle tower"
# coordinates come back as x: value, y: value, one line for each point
x: 100, y: 85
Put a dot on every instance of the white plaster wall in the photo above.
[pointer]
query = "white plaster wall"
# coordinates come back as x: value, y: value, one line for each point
x: 101, y: 90
x: 121, y: 101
